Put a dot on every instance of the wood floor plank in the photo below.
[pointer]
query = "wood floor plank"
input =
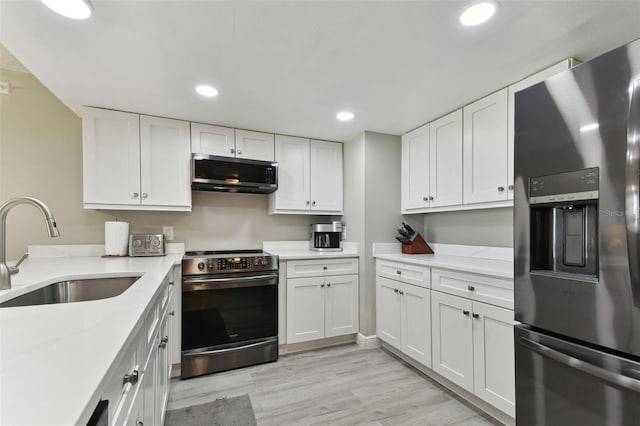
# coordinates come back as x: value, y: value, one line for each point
x: 342, y: 385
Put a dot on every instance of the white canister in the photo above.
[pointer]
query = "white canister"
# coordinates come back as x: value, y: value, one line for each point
x: 116, y: 238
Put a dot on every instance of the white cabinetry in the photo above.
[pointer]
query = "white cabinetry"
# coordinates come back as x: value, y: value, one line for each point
x: 228, y: 142
x: 523, y: 84
x: 403, y: 309
x: 322, y: 299
x: 432, y: 165
x: 310, y: 177
x: 485, y: 149
x: 133, y: 162
x: 473, y: 340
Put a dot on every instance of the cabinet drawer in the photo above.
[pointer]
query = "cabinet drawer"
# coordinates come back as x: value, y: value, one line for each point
x: 323, y: 267
x: 410, y: 274
x: 492, y: 290
x: 118, y: 393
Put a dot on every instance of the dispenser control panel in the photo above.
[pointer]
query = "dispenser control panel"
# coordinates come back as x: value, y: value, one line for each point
x: 569, y: 186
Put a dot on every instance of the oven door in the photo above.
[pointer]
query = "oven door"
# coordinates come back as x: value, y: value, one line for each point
x: 225, y: 309
x: 562, y: 383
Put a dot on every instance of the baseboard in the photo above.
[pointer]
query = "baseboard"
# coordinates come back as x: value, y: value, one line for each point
x: 316, y: 344
x: 460, y: 392
x: 367, y: 342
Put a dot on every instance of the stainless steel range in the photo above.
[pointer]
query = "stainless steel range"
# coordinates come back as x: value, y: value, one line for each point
x: 229, y: 310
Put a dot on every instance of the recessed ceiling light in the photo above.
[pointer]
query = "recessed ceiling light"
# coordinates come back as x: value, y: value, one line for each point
x: 477, y: 13
x: 207, y: 91
x: 345, y: 116
x: 74, y: 9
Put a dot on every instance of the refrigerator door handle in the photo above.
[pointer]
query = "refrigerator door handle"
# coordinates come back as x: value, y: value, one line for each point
x: 615, y: 379
x: 632, y: 190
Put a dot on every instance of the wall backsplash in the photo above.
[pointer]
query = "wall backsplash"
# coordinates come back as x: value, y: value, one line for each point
x: 489, y: 227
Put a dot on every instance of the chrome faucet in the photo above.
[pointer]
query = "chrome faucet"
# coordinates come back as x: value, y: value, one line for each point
x: 52, y: 229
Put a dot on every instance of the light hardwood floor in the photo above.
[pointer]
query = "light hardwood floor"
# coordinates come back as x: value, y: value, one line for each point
x: 343, y: 385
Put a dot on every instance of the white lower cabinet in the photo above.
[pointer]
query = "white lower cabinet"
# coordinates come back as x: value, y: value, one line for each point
x: 320, y: 302
x: 473, y: 348
x: 403, y: 313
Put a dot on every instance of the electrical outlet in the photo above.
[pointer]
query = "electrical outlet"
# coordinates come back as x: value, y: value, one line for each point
x: 168, y: 232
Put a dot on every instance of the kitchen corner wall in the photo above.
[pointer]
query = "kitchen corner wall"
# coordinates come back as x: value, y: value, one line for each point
x: 371, y: 207
x: 41, y: 156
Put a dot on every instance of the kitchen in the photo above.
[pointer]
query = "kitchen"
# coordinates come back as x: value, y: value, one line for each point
x: 41, y: 152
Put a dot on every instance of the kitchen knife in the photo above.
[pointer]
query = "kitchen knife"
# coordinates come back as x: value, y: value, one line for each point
x: 403, y: 240
x: 409, y: 229
x: 403, y: 232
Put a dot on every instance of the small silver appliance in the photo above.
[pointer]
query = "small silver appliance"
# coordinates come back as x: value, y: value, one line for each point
x: 326, y: 236
x: 147, y: 245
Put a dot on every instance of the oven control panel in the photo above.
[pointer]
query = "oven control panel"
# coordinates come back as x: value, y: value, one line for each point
x: 194, y: 266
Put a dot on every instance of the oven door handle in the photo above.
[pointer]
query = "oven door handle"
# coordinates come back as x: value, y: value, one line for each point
x: 197, y: 284
x: 614, y: 379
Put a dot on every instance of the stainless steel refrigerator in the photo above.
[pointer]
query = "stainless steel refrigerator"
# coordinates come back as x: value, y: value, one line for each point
x: 577, y: 245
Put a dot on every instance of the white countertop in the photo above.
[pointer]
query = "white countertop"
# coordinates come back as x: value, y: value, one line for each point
x: 53, y: 358
x: 299, y: 250
x: 493, y: 261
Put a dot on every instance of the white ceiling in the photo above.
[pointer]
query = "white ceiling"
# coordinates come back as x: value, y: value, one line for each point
x: 289, y: 67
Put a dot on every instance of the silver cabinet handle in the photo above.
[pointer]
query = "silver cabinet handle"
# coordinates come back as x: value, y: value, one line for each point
x: 471, y: 288
x: 465, y: 312
x: 425, y: 198
x: 313, y: 203
x: 398, y: 272
x: 324, y: 267
x: 145, y: 195
x: 500, y: 188
x: 322, y: 285
x: 475, y: 315
x: 130, y: 378
x: 233, y: 151
x: 307, y: 203
x: 510, y: 187
x: 615, y: 379
x: 395, y: 290
x: 329, y: 285
x: 135, y: 195
x: 632, y: 194
x: 401, y: 292
x: 163, y: 342
x: 172, y: 313
x: 140, y: 423
x: 431, y: 198
x: 239, y: 152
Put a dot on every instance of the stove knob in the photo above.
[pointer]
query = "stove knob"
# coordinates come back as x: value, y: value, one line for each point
x: 201, y: 266
x: 256, y: 261
x: 264, y: 261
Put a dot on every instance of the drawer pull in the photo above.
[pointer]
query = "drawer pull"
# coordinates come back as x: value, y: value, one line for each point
x: 465, y: 312
x: 475, y: 315
x: 471, y: 288
x: 395, y: 290
x: 163, y: 342
x: 130, y: 378
x: 324, y: 267
x: 398, y: 272
x: 172, y: 313
x: 322, y: 285
x: 401, y: 292
x: 329, y: 285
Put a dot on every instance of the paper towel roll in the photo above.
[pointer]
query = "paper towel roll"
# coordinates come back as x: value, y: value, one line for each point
x: 116, y: 238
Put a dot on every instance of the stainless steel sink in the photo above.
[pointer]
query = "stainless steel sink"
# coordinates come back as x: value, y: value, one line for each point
x: 73, y: 291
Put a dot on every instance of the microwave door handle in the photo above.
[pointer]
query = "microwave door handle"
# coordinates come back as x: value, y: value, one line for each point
x: 618, y: 380
x: 632, y: 189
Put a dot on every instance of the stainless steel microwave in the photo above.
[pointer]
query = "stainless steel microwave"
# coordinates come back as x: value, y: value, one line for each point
x: 228, y: 174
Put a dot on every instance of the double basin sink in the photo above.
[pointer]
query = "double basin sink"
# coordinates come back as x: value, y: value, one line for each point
x: 70, y: 291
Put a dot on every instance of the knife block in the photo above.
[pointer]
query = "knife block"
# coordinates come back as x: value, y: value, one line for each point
x: 417, y: 246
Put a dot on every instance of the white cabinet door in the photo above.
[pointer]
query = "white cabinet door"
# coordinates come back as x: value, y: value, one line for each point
x: 388, y: 304
x: 416, y: 323
x: 452, y: 338
x: 292, y: 155
x: 212, y: 140
x: 110, y: 157
x: 165, y: 171
x: 326, y: 176
x: 150, y: 383
x: 494, y: 367
x: 254, y: 145
x: 164, y: 370
x: 305, y: 309
x: 523, y: 84
x: 341, y: 305
x: 445, y: 157
x: 415, y: 169
x: 485, y: 149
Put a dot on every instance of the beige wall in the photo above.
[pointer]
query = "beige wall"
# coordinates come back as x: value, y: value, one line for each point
x: 41, y: 156
x: 490, y: 227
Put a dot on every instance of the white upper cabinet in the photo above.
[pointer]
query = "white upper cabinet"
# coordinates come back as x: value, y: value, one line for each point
x: 445, y: 158
x: 110, y: 157
x: 485, y: 149
x: 523, y: 84
x: 432, y: 165
x: 254, y: 145
x: 228, y: 142
x: 326, y: 176
x: 165, y: 162
x: 309, y: 177
x: 212, y: 140
x: 133, y: 162
x: 415, y: 169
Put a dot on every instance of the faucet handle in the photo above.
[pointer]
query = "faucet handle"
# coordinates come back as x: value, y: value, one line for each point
x: 14, y: 269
